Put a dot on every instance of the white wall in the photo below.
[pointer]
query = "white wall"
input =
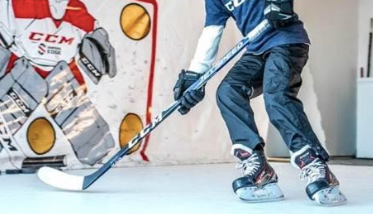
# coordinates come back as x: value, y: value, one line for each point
x: 332, y: 26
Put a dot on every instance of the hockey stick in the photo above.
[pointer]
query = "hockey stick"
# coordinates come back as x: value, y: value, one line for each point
x: 59, y: 179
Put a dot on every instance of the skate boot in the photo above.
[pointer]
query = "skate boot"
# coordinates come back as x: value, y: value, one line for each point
x: 259, y: 181
x: 322, y: 185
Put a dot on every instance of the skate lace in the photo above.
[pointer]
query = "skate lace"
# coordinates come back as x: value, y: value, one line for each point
x: 249, y: 166
x: 313, y: 171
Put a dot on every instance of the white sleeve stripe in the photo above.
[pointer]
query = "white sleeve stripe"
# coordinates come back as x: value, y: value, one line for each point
x: 207, y: 48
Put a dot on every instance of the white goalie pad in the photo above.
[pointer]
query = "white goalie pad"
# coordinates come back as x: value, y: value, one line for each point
x: 21, y: 91
x: 97, y: 56
x: 72, y: 111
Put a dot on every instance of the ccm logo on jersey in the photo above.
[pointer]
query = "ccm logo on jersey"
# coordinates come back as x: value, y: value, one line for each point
x: 50, y: 38
x: 19, y: 102
x: 233, y: 4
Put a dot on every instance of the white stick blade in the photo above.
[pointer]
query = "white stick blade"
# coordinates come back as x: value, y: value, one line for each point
x: 61, y: 180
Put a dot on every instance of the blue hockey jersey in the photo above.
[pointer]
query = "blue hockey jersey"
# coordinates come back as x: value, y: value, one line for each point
x: 247, y: 15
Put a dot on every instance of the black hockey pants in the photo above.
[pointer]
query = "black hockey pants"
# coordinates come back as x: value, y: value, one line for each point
x: 277, y: 75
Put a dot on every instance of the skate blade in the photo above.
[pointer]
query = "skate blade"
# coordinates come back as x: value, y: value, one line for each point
x: 330, y: 197
x: 267, y: 193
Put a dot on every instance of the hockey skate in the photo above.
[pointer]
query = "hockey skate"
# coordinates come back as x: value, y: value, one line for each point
x: 259, y: 181
x: 322, y: 185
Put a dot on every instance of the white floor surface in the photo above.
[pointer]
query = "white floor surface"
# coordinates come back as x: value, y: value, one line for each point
x: 195, y: 189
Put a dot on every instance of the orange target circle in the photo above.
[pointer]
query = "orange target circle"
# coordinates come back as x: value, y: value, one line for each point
x: 41, y: 136
x: 131, y: 125
x: 135, y: 21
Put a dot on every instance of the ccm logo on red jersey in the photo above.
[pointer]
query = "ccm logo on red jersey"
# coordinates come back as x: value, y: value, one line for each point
x: 50, y: 38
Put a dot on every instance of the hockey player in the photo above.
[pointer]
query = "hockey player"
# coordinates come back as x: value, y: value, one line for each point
x: 271, y: 66
x: 42, y: 42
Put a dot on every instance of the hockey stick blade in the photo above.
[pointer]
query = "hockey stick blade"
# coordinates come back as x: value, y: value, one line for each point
x: 59, y: 179
x: 65, y: 181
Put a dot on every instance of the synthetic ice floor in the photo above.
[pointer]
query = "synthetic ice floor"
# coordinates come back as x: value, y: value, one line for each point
x: 195, y: 189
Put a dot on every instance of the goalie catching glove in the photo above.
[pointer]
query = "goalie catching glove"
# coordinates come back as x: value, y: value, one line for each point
x: 97, y: 56
x: 191, y: 98
x: 279, y: 12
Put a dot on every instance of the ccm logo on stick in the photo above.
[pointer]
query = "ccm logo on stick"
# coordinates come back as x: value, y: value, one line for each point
x: 50, y: 38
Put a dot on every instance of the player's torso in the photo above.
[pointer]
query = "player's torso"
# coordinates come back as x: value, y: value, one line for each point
x: 250, y: 13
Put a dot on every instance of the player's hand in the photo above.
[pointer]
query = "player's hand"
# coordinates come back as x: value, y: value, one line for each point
x: 192, y: 98
x: 279, y: 12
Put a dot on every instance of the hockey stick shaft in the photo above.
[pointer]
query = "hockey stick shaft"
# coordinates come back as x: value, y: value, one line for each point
x: 90, y: 179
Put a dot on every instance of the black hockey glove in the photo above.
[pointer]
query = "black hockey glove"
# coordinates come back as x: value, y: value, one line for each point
x: 192, y: 98
x: 279, y: 12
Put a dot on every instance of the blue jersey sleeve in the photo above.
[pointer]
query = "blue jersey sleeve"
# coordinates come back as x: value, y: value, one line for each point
x: 216, y: 13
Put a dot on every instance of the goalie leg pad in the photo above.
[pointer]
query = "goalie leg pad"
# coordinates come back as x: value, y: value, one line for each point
x: 71, y: 109
x: 21, y: 91
x: 97, y: 56
x: 89, y: 134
